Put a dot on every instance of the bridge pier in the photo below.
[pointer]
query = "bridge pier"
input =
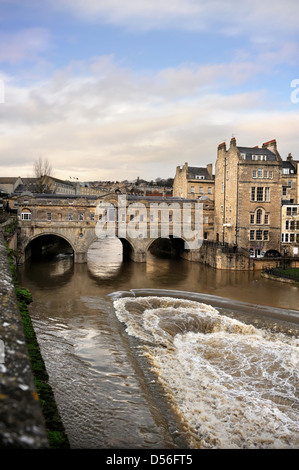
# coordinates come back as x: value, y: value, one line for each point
x: 138, y: 256
x: 80, y: 257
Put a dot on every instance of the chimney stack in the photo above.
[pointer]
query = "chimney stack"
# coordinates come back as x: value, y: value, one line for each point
x: 233, y: 142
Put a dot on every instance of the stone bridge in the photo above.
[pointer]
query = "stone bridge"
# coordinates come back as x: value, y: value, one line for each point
x: 136, y: 220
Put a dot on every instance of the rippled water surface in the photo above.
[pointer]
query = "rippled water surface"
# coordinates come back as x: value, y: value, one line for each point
x: 168, y: 353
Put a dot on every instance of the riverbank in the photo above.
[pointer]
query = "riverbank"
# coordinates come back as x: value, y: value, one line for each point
x: 289, y: 275
x: 42, y: 392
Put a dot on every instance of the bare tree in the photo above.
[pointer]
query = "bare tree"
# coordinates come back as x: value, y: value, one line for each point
x: 41, y: 169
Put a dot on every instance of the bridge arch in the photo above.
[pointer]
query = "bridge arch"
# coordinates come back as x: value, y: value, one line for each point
x: 127, y: 246
x: 44, y: 239
x: 172, y: 246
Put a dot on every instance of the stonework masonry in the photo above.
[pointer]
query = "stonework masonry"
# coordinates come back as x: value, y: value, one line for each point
x: 21, y: 420
x: 248, y: 192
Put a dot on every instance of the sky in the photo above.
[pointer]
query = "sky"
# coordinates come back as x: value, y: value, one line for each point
x: 116, y: 89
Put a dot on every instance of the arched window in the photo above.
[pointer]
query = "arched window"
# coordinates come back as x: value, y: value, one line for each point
x: 25, y: 214
x: 259, y: 216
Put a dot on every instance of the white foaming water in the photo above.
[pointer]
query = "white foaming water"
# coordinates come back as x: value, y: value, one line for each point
x: 231, y: 384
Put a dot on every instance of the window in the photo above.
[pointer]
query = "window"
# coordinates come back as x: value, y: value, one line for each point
x: 260, y: 173
x: 290, y: 183
x: 259, y: 194
x: 192, y: 190
x: 266, y: 235
x: 287, y: 225
x: 92, y: 217
x: 49, y: 216
x: 206, y: 219
x: 252, y: 218
x: 291, y: 210
x: 266, y: 219
x: 284, y: 191
x: 209, y: 190
x: 254, y: 174
x: 259, y: 216
x: 251, y: 235
x: 285, y: 171
x: 111, y: 214
x: 201, y: 190
x: 81, y: 217
x: 26, y: 215
x: 70, y: 216
x: 271, y: 174
x: 265, y: 173
x: 259, y: 235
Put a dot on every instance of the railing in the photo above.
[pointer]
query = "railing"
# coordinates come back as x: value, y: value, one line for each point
x: 279, y: 272
x: 226, y: 248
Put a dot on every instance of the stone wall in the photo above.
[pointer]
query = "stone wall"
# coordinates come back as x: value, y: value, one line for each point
x: 216, y: 257
x: 21, y: 419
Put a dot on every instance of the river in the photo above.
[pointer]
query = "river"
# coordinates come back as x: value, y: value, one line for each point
x: 166, y: 354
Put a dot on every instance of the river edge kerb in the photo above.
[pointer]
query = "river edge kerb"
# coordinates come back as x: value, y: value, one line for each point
x: 22, y: 423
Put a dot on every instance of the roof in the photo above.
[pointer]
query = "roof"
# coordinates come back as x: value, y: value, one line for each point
x: 194, y: 171
x: 288, y: 164
x: 249, y: 151
x: 69, y: 183
x: 8, y: 179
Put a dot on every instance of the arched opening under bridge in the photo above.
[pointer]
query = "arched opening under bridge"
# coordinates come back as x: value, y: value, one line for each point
x: 171, y: 247
x: 48, y: 246
x: 105, y: 256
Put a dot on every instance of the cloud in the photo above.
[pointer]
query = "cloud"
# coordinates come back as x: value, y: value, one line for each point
x: 24, y: 45
x: 101, y: 120
x: 255, y: 18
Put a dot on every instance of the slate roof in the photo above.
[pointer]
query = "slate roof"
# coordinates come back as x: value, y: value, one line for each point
x: 194, y: 171
x: 288, y: 164
x: 249, y: 151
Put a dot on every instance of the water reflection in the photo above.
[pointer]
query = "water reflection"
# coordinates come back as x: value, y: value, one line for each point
x: 47, y: 274
x: 104, y: 258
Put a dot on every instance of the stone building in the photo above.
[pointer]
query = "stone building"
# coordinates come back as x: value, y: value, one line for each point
x: 248, y: 193
x: 290, y: 182
x: 57, y: 186
x: 290, y: 229
x: 194, y: 182
x: 9, y: 184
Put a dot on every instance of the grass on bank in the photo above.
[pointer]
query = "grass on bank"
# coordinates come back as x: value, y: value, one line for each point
x: 293, y: 272
x: 54, y: 426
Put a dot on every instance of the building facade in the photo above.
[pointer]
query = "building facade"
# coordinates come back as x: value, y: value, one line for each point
x: 248, y: 192
x: 194, y: 182
x: 290, y: 229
